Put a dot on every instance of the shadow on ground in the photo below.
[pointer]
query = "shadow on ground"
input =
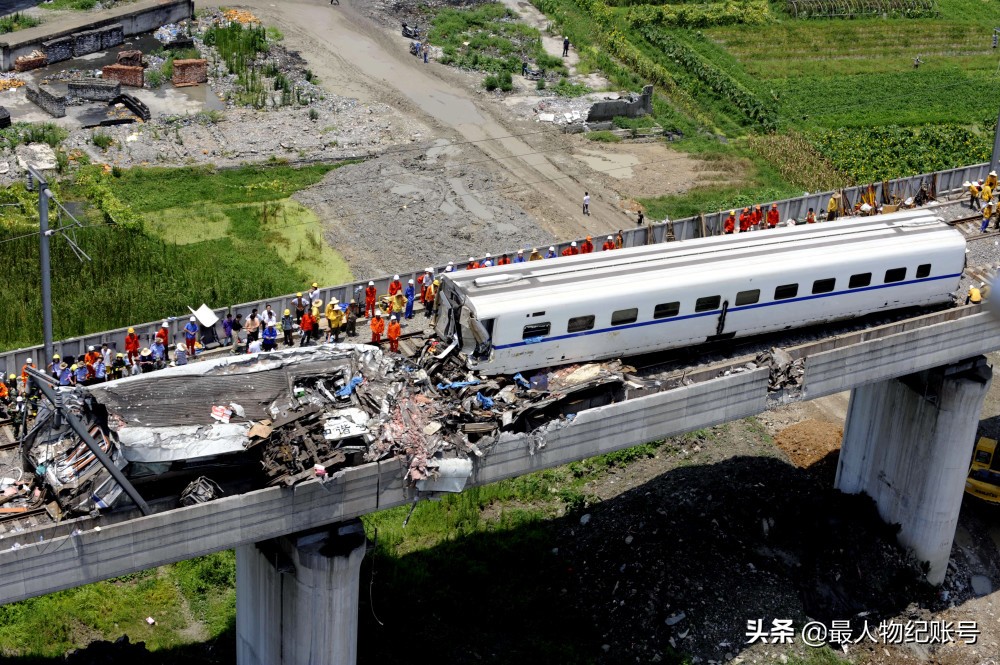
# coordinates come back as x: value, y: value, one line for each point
x: 671, y: 569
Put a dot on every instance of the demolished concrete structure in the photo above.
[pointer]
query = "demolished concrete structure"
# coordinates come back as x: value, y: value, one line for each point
x: 632, y: 107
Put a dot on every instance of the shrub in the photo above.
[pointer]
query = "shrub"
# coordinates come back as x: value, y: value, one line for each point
x: 102, y: 140
x: 540, y: 85
x: 506, y: 82
x: 313, y: 114
x: 603, y: 137
x: 491, y: 82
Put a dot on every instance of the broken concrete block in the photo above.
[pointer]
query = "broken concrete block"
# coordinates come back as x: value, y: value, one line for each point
x: 27, y: 62
x: 129, y: 58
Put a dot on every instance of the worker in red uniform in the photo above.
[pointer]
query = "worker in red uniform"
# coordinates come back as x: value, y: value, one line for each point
x: 756, y: 218
x: 588, y: 246
x: 307, y: 327
x: 772, y: 216
x: 810, y: 217
x: 729, y: 225
x: 395, y: 330
x: 370, y: 294
x: 572, y: 250
x: 163, y: 334
x: 503, y: 260
x: 378, y: 327
x: 608, y: 244
x: 91, y: 356
x: 746, y: 219
x: 473, y: 264
x: 395, y: 286
x: 132, y: 346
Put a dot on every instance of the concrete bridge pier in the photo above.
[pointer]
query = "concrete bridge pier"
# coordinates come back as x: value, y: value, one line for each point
x: 908, y: 443
x: 297, y: 597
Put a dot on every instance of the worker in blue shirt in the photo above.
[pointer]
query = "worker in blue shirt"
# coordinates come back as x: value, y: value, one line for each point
x: 551, y: 254
x: 519, y: 258
x: 65, y: 375
x: 410, y: 292
x: 190, y: 331
x: 270, y: 338
x: 100, y: 371
x: 80, y: 374
x: 157, y: 351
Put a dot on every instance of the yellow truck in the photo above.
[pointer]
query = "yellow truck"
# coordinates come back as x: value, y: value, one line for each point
x: 984, y: 474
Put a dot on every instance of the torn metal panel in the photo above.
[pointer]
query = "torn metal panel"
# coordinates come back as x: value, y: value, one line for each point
x: 447, y: 475
x: 169, y: 444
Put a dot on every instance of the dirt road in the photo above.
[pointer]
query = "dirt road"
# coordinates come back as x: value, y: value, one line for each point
x: 354, y: 56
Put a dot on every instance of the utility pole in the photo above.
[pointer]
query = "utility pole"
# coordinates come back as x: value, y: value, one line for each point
x: 43, y: 246
x: 995, y: 161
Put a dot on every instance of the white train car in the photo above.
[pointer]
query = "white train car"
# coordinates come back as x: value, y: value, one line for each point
x: 644, y: 299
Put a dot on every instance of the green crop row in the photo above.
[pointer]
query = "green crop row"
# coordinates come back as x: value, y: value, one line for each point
x: 739, y: 12
x: 717, y: 80
x: 872, y: 154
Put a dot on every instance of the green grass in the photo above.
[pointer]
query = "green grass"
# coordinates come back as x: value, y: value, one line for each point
x: 17, y: 21
x: 603, y: 136
x: 70, y: 4
x: 21, y: 133
x: 158, y: 263
x: 487, y: 38
x: 202, y: 590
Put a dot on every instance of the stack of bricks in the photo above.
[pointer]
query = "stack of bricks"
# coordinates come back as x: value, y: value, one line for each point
x: 190, y: 72
x: 33, y: 61
x: 128, y: 70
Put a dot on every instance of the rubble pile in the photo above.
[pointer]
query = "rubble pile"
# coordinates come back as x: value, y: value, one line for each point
x: 296, y: 415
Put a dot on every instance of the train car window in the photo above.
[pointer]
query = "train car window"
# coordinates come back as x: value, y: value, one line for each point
x: 895, y: 275
x: 707, y: 304
x: 536, y: 330
x: 580, y: 323
x: 747, y: 297
x: 923, y: 270
x: 623, y: 316
x: 666, y: 309
x: 859, y: 280
x: 786, y: 291
x: 824, y: 285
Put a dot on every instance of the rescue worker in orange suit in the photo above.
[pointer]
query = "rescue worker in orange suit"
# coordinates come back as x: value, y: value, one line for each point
x: 756, y: 217
x: 378, y: 327
x: 132, y: 346
x: 608, y: 244
x: 746, y: 219
x: 24, y: 372
x: 473, y: 264
x: 91, y: 356
x: 729, y: 225
x: 306, y: 327
x: 810, y: 217
x: 427, y: 295
x: 370, y: 300
x: 571, y: 250
x: 772, y: 216
x: 587, y: 247
x: 503, y: 260
x: 395, y: 286
x: 395, y: 330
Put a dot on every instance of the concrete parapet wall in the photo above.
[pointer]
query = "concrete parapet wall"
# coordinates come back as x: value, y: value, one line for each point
x: 126, y: 75
x: 86, y: 42
x: 118, y: 23
x: 57, y: 50
x: 187, y: 72
x: 98, y: 90
x: 54, y: 105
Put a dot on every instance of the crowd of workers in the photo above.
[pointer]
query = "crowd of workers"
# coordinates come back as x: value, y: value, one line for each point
x: 981, y: 197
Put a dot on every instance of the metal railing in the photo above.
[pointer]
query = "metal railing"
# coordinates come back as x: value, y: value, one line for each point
x: 940, y: 182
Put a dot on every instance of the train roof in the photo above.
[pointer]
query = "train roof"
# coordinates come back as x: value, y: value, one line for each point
x: 494, y: 290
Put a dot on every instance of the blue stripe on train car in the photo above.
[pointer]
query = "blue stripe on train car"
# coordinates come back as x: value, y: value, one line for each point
x: 715, y: 312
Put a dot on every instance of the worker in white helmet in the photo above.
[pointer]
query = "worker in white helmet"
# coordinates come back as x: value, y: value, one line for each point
x: 370, y: 294
x: 551, y: 254
x: 571, y: 250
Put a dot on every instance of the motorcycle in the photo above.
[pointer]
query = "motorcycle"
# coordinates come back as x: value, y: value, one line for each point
x: 411, y: 31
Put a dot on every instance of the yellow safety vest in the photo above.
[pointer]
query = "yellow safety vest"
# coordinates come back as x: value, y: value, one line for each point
x: 974, y: 296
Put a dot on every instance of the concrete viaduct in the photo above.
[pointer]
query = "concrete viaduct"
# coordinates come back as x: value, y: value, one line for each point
x: 917, y: 391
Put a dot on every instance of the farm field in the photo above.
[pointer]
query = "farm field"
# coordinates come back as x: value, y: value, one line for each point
x: 848, y: 87
x: 187, y: 236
